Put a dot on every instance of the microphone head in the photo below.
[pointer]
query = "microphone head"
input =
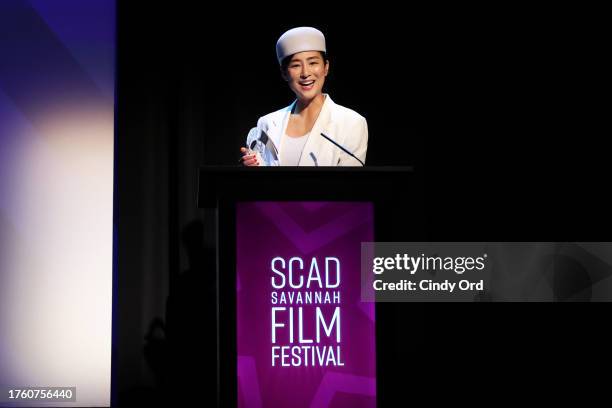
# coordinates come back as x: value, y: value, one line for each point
x: 314, y: 159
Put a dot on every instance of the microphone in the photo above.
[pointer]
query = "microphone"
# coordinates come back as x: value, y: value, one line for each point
x: 314, y: 159
x: 343, y: 149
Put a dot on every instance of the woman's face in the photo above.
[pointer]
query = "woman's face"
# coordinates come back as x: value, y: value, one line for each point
x: 306, y: 74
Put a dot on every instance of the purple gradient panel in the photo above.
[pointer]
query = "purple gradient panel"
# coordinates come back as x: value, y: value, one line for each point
x: 57, y: 57
x: 87, y: 30
x: 57, y: 72
x: 266, y: 230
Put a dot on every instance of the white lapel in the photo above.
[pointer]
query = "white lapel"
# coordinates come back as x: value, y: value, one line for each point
x: 277, y: 125
x: 314, y: 142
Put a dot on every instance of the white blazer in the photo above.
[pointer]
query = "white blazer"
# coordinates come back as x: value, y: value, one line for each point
x: 344, y: 126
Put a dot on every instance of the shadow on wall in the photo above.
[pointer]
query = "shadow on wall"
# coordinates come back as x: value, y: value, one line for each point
x: 181, y: 352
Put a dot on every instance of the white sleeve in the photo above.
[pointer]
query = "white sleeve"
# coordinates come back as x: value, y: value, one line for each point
x: 356, y: 142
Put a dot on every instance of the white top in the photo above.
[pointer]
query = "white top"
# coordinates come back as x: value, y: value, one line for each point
x: 292, y: 149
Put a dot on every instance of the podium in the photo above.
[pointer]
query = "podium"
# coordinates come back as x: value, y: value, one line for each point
x: 260, y: 212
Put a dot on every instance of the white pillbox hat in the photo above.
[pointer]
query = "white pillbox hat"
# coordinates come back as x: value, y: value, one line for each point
x: 299, y: 39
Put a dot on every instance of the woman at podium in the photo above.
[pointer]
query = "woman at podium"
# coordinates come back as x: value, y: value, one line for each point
x: 313, y: 130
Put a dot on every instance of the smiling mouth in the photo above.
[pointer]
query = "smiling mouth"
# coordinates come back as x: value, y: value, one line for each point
x: 307, y: 84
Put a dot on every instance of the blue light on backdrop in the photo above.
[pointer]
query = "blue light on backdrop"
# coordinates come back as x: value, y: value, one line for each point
x: 56, y: 195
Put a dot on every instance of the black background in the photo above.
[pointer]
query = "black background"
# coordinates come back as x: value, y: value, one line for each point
x: 499, y: 110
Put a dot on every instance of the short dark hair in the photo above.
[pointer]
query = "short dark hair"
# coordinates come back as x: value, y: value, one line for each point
x: 285, y: 62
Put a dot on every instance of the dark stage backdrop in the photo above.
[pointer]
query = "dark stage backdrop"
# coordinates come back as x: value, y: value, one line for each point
x: 496, y: 109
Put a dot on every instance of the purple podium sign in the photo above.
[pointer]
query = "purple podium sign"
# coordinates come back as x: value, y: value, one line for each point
x: 305, y: 339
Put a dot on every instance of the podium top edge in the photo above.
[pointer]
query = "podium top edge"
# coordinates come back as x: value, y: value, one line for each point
x: 340, y: 169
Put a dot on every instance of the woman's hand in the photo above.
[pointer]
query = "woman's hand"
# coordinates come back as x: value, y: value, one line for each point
x: 247, y: 159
